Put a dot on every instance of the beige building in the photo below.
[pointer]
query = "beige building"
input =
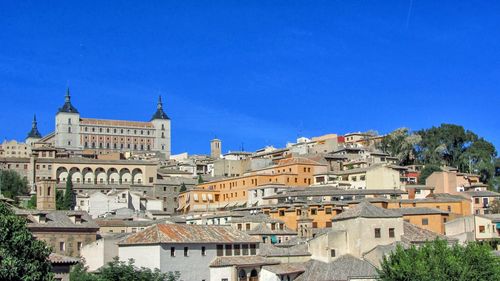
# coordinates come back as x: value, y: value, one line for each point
x: 474, y: 228
x: 14, y: 149
x: 377, y: 176
x: 99, y: 136
x: 452, y: 182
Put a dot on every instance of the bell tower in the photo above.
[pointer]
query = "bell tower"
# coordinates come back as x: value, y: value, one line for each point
x: 46, y: 195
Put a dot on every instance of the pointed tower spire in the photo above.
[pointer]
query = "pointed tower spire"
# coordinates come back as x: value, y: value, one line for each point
x: 68, y: 107
x: 34, y: 133
x: 160, y: 104
x: 68, y: 96
x: 159, y: 114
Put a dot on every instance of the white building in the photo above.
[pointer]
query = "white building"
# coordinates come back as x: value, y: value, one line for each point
x: 192, y: 249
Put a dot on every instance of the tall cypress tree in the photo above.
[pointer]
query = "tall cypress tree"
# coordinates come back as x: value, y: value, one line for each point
x: 68, y: 195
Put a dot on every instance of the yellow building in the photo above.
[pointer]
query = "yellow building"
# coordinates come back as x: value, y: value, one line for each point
x: 233, y: 192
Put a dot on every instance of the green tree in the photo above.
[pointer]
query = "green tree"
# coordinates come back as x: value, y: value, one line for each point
x: 183, y: 187
x: 32, y: 202
x: 12, y: 184
x: 495, y: 206
x: 426, y: 172
x: 437, y: 261
x: 22, y: 256
x: 68, y: 195
x: 200, y: 179
x: 122, y: 271
x: 401, y: 143
x: 60, y: 200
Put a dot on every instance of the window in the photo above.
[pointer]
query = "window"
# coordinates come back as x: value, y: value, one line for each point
x: 220, y: 250
x: 425, y: 221
x: 240, y: 227
x: 314, y: 211
x: 62, y: 246
x: 245, y: 249
x: 253, y: 249
x: 281, y: 213
x: 247, y: 226
x: 332, y: 253
x: 328, y: 224
x: 237, y: 250
x: 449, y: 208
x: 172, y: 251
x: 203, y: 251
x: 328, y: 211
x: 229, y: 250
x: 481, y: 229
x: 79, y: 246
x: 377, y: 233
x: 476, y: 200
x: 391, y: 233
x: 186, y: 251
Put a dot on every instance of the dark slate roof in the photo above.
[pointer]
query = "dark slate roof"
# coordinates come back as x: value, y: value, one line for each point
x: 67, y: 106
x: 343, y: 268
x: 366, y: 210
x: 269, y: 250
x: 414, y: 234
x: 34, y: 133
x: 160, y: 114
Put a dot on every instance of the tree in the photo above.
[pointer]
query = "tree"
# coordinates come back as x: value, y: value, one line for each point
x: 68, y: 195
x: 426, y: 172
x: 12, y: 184
x: 22, y: 256
x: 122, y: 271
x: 401, y: 144
x: 32, y: 202
x: 437, y: 261
x: 200, y: 179
x: 60, y: 200
x: 183, y: 187
x: 495, y: 206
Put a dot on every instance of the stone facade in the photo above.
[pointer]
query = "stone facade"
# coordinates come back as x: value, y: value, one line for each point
x: 98, y: 136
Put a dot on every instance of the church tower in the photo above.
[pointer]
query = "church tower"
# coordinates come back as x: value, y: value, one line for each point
x: 34, y: 135
x: 161, y: 123
x: 46, y: 195
x: 215, y: 148
x: 67, y: 133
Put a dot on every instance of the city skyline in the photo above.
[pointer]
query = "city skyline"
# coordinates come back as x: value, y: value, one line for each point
x: 253, y: 75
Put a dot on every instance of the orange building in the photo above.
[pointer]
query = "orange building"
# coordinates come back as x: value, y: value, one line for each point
x: 233, y: 192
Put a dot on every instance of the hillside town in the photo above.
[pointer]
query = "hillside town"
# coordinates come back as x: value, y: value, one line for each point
x: 327, y: 207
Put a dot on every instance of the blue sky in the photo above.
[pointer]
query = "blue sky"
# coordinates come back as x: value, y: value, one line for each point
x: 253, y: 72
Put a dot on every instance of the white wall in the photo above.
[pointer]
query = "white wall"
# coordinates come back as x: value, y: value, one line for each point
x: 219, y: 273
x: 144, y: 255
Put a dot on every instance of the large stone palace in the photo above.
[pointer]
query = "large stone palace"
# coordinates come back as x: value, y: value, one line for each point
x: 100, y: 136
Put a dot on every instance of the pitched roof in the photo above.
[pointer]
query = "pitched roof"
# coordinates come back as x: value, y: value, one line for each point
x: 242, y: 261
x: 263, y: 229
x: 414, y: 234
x: 269, y: 250
x: 420, y: 211
x: 177, y: 233
x: 366, y: 210
x: 60, y: 259
x: 343, y: 268
x: 286, y: 268
x: 482, y: 193
x: 58, y: 219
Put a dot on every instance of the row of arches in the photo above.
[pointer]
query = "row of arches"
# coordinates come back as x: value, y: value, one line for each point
x: 243, y: 275
x: 100, y: 175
